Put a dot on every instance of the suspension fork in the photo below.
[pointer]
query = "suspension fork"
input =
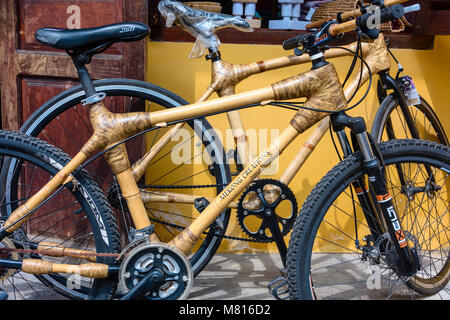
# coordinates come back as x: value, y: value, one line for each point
x: 390, y: 83
x: 406, y: 260
x: 370, y: 210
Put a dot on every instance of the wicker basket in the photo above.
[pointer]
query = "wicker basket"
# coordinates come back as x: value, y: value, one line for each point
x: 207, y: 6
x: 330, y: 9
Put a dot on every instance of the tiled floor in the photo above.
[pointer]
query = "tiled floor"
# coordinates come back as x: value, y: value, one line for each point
x: 227, y: 277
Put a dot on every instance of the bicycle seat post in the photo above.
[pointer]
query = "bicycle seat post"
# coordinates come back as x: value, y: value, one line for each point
x: 213, y: 55
x: 80, y: 60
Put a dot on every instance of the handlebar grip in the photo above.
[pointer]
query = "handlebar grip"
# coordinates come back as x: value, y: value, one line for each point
x: 392, y: 13
x: 292, y: 43
x: 385, y: 15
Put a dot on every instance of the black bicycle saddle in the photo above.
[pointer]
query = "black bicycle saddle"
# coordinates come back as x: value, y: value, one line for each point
x: 73, y: 39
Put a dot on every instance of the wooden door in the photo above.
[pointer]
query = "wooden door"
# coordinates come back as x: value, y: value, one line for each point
x: 31, y: 73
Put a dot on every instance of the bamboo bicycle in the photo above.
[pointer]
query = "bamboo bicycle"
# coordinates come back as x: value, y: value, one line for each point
x: 129, y: 125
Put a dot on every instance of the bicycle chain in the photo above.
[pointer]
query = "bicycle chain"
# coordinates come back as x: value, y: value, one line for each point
x: 224, y: 236
x: 116, y: 255
x: 200, y: 186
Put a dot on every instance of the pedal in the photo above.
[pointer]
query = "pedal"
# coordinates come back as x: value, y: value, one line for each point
x: 200, y: 204
x: 3, y: 294
x: 278, y: 287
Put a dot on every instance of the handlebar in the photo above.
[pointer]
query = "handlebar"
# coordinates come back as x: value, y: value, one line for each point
x: 344, y: 16
x: 386, y: 14
x: 367, y: 22
x: 294, y: 42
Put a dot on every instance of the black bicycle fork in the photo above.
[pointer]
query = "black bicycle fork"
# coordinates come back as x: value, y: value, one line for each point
x: 375, y: 199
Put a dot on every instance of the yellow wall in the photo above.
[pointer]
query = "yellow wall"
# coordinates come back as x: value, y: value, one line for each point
x: 169, y: 67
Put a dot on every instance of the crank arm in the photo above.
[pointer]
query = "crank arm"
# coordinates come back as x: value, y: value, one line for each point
x: 147, y: 284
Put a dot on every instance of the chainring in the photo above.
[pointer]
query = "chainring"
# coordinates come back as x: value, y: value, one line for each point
x: 147, y: 257
x: 266, y: 197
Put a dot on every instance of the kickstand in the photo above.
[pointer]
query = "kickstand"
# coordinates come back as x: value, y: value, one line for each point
x: 278, y: 287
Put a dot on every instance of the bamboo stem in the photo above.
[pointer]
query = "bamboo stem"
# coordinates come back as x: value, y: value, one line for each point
x: 90, y: 270
x: 216, y: 105
x: 132, y: 195
x: 169, y: 197
x: 240, y: 137
x: 13, y: 223
x: 305, y: 151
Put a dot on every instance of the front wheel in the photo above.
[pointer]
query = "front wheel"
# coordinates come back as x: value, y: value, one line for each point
x: 334, y: 254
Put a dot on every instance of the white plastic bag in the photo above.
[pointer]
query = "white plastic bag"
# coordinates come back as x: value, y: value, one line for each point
x: 200, y: 24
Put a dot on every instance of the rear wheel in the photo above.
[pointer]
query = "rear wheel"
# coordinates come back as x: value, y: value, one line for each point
x: 191, y: 165
x: 390, y: 123
x: 334, y: 254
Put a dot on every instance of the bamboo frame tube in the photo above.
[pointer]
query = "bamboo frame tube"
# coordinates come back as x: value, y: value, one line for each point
x: 187, y: 238
x: 305, y: 151
x: 56, y: 250
x: 171, y: 197
x: 217, y: 105
x: 377, y: 58
x: 240, y: 137
x: 32, y: 203
x: 90, y: 270
x: 206, y: 95
x: 132, y: 195
x: 291, y: 60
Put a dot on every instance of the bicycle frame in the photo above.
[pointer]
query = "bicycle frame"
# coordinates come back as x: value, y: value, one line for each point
x: 321, y: 88
x: 226, y: 76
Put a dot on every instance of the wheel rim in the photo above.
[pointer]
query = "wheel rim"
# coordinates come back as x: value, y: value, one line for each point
x: 424, y: 118
x: 336, y: 256
x: 50, y: 224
